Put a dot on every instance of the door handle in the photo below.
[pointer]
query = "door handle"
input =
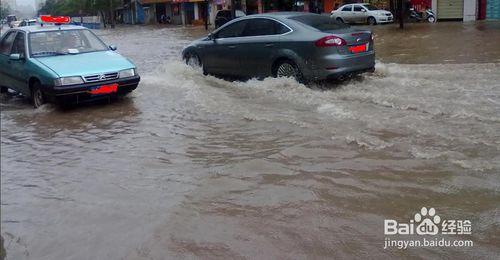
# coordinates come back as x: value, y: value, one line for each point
x: 231, y: 46
x: 269, y: 44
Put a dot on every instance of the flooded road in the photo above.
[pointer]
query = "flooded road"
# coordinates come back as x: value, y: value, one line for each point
x: 191, y: 166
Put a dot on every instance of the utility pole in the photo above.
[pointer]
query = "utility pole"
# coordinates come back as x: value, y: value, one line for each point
x: 111, y: 14
x: 401, y: 14
x: 233, y: 9
x: 206, y: 15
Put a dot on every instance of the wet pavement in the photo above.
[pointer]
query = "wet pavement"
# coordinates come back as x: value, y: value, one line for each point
x: 191, y: 166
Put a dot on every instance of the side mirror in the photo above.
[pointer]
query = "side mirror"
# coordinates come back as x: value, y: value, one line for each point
x: 15, y: 56
x: 112, y: 47
x: 363, y: 10
x: 210, y: 36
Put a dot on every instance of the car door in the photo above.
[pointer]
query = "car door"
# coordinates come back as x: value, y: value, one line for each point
x: 17, y: 71
x: 261, y: 38
x: 220, y: 56
x: 346, y: 13
x: 359, y: 14
x: 5, y: 47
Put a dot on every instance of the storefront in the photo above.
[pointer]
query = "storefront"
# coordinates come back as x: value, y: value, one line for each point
x: 493, y: 9
x: 450, y: 9
x: 191, y: 11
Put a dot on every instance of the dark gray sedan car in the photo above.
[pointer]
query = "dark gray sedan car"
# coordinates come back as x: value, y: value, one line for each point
x: 306, y: 46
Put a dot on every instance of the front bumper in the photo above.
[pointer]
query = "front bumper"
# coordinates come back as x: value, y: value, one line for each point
x: 80, y: 93
x: 385, y: 19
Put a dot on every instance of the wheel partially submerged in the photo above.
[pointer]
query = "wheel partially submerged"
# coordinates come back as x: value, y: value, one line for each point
x: 288, y: 69
x: 37, y: 97
x: 194, y: 61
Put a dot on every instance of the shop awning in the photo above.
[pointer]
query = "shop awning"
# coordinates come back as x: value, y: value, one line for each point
x: 154, y: 1
x: 187, y: 1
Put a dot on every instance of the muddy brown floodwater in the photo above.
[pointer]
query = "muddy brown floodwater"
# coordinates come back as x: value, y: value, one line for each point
x: 191, y: 166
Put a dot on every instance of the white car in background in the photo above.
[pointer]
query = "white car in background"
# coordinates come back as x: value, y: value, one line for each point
x: 15, y: 24
x: 362, y: 13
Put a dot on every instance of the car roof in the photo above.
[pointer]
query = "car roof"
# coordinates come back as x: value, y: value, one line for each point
x: 281, y: 15
x: 48, y: 28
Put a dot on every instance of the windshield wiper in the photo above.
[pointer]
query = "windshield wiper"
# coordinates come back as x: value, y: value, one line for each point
x: 48, y: 53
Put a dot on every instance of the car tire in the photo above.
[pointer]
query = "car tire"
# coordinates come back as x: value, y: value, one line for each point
x: 4, y: 89
x: 194, y: 61
x: 37, y: 96
x: 288, y: 68
x: 339, y: 20
x: 371, y: 20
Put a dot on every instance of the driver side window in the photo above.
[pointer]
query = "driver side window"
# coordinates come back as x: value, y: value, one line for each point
x: 232, y: 30
x: 18, y: 47
x: 6, y: 43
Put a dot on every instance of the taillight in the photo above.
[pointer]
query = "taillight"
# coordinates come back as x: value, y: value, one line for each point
x: 330, y: 40
x: 372, y: 36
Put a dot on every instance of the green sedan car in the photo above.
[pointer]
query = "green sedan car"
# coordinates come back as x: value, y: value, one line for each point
x: 63, y: 64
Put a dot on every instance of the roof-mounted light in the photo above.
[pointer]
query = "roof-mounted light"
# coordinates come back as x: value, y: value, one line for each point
x: 55, y: 19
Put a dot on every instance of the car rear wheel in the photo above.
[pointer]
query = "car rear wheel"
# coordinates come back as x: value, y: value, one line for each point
x: 37, y: 97
x: 288, y: 69
x: 371, y: 20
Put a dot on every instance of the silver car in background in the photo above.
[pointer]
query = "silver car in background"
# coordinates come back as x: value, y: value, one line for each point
x: 306, y: 46
x: 362, y: 13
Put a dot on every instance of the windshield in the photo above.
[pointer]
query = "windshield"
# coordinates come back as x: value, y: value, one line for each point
x: 64, y: 42
x: 371, y: 7
x: 320, y: 22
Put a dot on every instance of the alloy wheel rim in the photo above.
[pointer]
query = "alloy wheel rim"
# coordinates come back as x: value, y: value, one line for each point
x: 286, y: 70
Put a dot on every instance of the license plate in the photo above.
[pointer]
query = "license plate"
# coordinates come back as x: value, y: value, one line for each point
x: 105, y: 89
x: 358, y: 48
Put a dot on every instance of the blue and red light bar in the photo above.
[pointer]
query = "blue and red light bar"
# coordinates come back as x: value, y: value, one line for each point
x: 55, y: 19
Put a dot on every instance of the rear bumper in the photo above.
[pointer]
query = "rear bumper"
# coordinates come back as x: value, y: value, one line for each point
x: 337, y: 66
x: 80, y: 93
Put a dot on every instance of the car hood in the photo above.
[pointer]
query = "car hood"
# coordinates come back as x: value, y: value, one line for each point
x: 86, y: 63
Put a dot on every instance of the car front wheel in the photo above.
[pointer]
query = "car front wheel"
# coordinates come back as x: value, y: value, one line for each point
x: 37, y: 95
x: 372, y: 21
x: 194, y: 61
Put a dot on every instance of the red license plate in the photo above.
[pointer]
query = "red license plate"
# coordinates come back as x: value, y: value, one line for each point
x: 358, y: 48
x: 105, y: 89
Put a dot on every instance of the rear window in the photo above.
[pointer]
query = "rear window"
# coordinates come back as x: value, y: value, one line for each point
x: 371, y: 7
x: 320, y: 22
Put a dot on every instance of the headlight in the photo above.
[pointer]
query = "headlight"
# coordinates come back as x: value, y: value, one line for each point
x: 68, y: 81
x: 127, y: 73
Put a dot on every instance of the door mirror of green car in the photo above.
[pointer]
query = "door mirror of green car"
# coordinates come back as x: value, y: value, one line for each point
x: 112, y: 47
x: 15, y: 56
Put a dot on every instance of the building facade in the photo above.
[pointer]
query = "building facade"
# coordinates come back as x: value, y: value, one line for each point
x: 193, y: 12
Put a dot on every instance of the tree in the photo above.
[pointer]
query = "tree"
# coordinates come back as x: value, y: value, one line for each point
x: 4, y: 10
x: 104, y: 8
